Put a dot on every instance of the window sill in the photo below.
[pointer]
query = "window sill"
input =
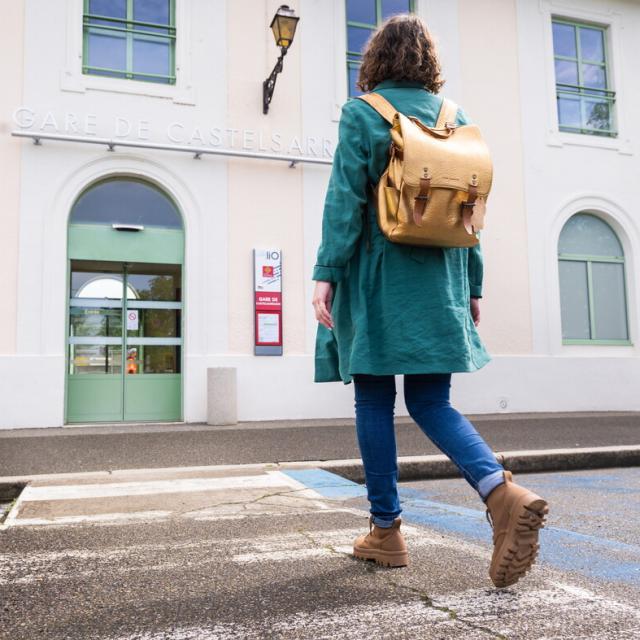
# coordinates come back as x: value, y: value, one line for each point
x: 598, y: 343
x: 562, y: 138
x: 81, y: 83
x: 588, y: 349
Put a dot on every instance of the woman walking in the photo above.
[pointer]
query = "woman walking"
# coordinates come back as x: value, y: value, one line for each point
x: 385, y: 309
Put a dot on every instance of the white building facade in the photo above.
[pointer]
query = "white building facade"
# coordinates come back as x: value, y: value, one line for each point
x: 117, y: 93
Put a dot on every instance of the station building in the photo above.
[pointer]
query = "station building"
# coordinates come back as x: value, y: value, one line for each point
x: 140, y: 174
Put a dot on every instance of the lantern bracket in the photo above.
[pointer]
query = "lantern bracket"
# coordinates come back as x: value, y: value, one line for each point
x: 269, y: 84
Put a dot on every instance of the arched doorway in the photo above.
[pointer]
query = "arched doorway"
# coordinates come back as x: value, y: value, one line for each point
x: 124, y: 337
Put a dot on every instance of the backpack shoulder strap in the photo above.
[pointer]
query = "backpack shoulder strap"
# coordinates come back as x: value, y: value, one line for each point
x: 448, y: 113
x: 381, y: 105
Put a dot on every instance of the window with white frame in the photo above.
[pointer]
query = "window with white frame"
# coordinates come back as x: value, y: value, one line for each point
x: 592, y: 282
x: 132, y: 39
x: 363, y: 18
x: 583, y: 78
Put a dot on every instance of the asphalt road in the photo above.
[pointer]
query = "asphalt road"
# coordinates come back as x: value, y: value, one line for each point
x: 39, y: 451
x: 222, y: 558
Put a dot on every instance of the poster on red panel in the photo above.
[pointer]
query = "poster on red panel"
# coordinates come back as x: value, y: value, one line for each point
x: 267, y: 285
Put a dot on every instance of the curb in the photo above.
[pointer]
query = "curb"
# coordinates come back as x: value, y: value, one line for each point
x: 530, y: 461
x: 411, y: 467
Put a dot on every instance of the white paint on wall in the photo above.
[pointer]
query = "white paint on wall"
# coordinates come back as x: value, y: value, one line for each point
x: 566, y: 173
x: 229, y: 207
x: 12, y: 35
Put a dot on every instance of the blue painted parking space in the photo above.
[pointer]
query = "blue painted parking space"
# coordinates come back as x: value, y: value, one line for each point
x: 592, y: 528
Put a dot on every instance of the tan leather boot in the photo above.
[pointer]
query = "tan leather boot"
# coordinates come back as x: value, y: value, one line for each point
x: 516, y: 515
x: 384, y: 545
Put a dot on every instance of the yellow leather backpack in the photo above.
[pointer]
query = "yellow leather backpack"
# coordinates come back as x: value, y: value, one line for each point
x: 433, y: 190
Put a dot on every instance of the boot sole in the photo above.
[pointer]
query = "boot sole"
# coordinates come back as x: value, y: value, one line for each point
x: 520, y: 546
x: 384, y: 558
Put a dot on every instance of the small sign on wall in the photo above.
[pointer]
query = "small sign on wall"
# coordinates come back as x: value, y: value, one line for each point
x: 267, y: 285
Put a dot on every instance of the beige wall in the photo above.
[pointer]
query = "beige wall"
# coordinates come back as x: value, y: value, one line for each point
x: 11, y: 70
x: 491, y: 92
x: 265, y: 198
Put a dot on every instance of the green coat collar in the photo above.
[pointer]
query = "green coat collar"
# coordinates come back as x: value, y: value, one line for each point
x: 398, y: 84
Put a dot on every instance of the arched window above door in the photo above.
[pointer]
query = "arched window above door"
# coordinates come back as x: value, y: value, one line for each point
x: 125, y: 201
x: 592, y: 282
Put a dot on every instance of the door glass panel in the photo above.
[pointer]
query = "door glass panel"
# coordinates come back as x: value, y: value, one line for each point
x: 155, y: 282
x: 593, y: 75
x: 93, y: 280
x: 566, y: 72
x: 111, y: 8
x: 609, y: 301
x: 589, y: 235
x: 151, y: 56
x: 597, y: 114
x: 357, y: 38
x: 574, y: 299
x: 353, y: 77
x: 158, y: 11
x: 393, y: 7
x: 95, y: 358
x: 92, y: 321
x: 147, y: 359
x: 569, y: 112
x: 564, y: 40
x: 591, y: 44
x: 361, y: 11
x: 105, y: 202
x: 153, y: 323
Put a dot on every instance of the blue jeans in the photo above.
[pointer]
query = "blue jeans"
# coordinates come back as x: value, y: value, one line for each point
x: 427, y: 399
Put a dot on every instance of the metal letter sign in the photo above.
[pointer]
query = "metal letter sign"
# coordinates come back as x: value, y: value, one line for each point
x: 267, y: 285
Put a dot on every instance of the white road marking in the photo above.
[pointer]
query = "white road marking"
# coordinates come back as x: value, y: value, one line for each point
x: 277, y: 556
x: 23, y: 568
x: 477, y: 614
x: 214, y: 514
x: 283, y: 495
x: 109, y: 490
x: 99, y: 518
x: 544, y: 609
x: 353, y: 622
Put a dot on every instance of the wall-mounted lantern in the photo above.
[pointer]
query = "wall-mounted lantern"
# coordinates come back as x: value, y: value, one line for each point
x: 283, y: 25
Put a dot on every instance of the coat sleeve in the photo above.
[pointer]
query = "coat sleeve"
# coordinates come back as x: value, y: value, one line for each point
x: 346, y: 197
x: 475, y: 270
x: 475, y: 260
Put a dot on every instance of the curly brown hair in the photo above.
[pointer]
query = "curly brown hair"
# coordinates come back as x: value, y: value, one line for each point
x: 401, y: 48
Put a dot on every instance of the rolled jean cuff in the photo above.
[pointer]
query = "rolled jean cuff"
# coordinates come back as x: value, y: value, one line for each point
x: 490, y: 482
x: 382, y: 522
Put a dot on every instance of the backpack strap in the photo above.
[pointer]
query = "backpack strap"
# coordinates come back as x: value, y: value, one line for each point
x: 448, y: 109
x: 381, y: 105
x: 448, y: 113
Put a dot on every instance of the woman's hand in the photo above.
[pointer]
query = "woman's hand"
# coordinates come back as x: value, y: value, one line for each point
x: 322, y: 303
x: 475, y: 310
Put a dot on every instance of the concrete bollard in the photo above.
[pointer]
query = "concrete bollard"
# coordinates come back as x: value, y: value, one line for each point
x: 222, y: 396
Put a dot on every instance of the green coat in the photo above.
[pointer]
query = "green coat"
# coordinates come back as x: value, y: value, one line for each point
x: 396, y: 308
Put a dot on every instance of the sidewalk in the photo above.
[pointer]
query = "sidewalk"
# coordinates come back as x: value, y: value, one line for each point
x: 27, y: 452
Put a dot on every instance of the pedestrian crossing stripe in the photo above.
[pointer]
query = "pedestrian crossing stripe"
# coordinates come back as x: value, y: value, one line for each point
x: 181, y: 485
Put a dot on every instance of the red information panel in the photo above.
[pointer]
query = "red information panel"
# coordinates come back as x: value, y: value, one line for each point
x: 268, y: 301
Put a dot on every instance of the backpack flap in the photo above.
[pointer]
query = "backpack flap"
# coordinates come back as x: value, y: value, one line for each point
x: 457, y: 160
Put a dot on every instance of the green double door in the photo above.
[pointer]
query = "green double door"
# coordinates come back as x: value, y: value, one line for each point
x: 124, y: 341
